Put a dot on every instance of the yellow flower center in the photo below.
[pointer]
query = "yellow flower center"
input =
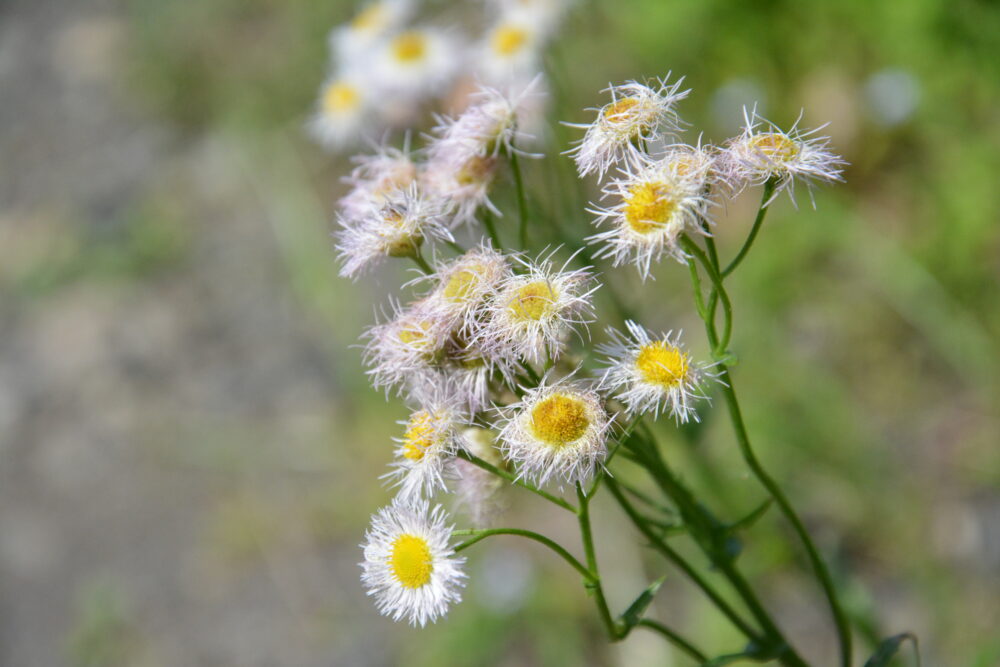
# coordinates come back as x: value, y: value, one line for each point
x: 648, y: 206
x: 621, y: 111
x: 409, y: 47
x: 419, y: 436
x: 533, y: 301
x: 399, y: 243
x: 463, y: 283
x: 477, y: 170
x: 559, y: 420
x: 411, y: 561
x: 508, y: 39
x: 417, y: 335
x: 662, y: 363
x: 775, y: 146
x: 340, y: 97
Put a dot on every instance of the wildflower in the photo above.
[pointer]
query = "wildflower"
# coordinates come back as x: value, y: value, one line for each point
x: 510, y: 51
x: 463, y: 284
x: 425, y: 450
x: 650, y: 373
x: 465, y: 187
x: 763, y: 152
x: 480, y: 493
x: 557, y: 430
x: 352, y: 43
x: 397, y: 229
x: 403, y: 351
x: 376, y: 178
x: 416, y: 63
x: 656, y: 202
x: 341, y: 112
x: 636, y: 115
x: 532, y: 313
x: 410, y: 568
x: 486, y: 128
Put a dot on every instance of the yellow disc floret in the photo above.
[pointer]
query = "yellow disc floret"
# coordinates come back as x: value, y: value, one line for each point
x: 662, y: 364
x: 775, y: 146
x: 621, y: 111
x: 409, y: 47
x: 534, y: 301
x: 417, y: 335
x: 509, y: 39
x: 648, y: 206
x: 340, y: 97
x: 559, y: 420
x: 411, y: 561
x: 419, y: 436
x: 370, y: 18
x: 463, y: 283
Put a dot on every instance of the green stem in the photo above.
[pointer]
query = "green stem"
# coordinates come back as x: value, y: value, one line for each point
x: 615, y: 631
x: 421, y: 262
x: 611, y: 454
x: 674, y: 557
x: 758, y: 221
x: 674, y: 639
x: 718, y: 345
x: 522, y: 204
x: 491, y: 231
x: 479, y: 535
x: 510, y: 477
x: 819, y: 566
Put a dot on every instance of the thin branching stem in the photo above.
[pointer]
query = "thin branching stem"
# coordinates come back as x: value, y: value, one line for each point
x: 673, y: 638
x: 513, y: 479
x: 479, y: 535
x: 758, y: 221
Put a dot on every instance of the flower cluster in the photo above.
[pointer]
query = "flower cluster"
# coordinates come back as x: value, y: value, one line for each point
x: 485, y: 345
x: 385, y: 68
x: 663, y: 189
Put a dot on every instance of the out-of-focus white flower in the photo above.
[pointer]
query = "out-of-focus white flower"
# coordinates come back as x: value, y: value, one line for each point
x: 351, y: 43
x: 652, y: 373
x: 533, y: 313
x: 510, y: 51
x: 409, y: 567
x: 425, y: 450
x: 763, y: 152
x: 397, y: 229
x: 653, y: 205
x: 543, y: 15
x: 342, y: 112
x: 636, y: 115
x: 480, y: 493
x: 416, y: 63
x: 556, y: 431
x: 403, y: 351
x: 376, y: 178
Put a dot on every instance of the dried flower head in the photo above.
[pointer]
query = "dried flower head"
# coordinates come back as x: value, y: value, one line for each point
x: 397, y: 229
x: 377, y: 177
x: 636, y: 115
x: 556, y: 431
x: 466, y: 187
x: 763, y: 152
x: 403, y: 352
x: 652, y: 373
x: 426, y: 449
x: 409, y: 567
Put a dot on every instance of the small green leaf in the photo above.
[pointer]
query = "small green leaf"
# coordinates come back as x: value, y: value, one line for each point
x: 634, y: 613
x: 889, y: 647
x: 751, y: 519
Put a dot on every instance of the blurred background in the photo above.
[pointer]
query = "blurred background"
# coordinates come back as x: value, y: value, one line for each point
x: 188, y: 445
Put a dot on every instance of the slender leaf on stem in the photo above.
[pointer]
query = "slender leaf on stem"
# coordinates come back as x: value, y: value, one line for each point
x: 889, y: 647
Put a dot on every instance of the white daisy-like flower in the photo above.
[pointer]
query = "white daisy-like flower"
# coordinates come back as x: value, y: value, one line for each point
x: 416, y: 63
x: 544, y: 15
x: 463, y: 284
x: 533, y: 313
x: 403, y: 351
x: 342, y: 112
x: 653, y: 373
x: 377, y: 177
x: 653, y: 204
x: 410, y: 568
x: 397, y: 229
x: 480, y: 493
x: 556, y: 431
x: 763, y: 151
x: 487, y: 127
x: 353, y: 42
x: 466, y: 187
x: 510, y: 50
x: 636, y: 115
x: 426, y: 450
